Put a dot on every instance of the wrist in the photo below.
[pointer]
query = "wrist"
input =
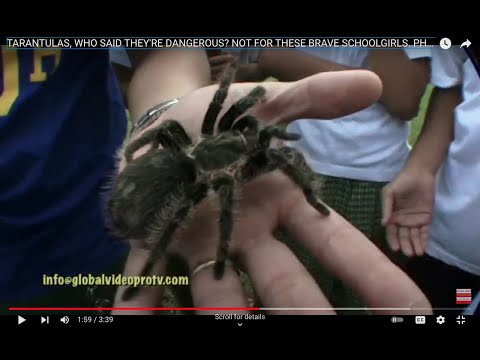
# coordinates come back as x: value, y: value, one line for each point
x: 419, y: 165
x: 427, y: 156
x: 151, y: 115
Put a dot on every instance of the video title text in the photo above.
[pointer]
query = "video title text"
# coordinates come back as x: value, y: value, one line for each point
x: 213, y: 43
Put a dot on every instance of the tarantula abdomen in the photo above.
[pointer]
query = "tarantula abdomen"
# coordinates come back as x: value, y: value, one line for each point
x: 145, y: 190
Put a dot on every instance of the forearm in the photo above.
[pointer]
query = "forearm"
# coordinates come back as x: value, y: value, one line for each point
x: 404, y: 81
x: 158, y: 77
x: 437, y: 133
x: 250, y: 73
x: 166, y: 74
x: 293, y: 65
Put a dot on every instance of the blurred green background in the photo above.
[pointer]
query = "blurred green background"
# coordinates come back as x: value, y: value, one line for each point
x: 417, y: 123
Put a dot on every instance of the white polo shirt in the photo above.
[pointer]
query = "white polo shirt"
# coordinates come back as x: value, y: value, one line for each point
x: 369, y: 145
x: 455, y: 232
x: 473, y: 308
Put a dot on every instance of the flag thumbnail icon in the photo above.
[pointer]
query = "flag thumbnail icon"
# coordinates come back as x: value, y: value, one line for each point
x: 464, y: 296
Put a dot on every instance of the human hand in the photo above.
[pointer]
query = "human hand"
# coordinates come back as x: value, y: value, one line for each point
x: 272, y: 200
x: 407, y: 211
x: 219, y: 63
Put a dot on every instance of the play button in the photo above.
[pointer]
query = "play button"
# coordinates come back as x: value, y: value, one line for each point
x: 20, y: 320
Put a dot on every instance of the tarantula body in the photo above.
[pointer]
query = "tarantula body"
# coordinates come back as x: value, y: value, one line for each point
x: 153, y: 187
x: 155, y: 193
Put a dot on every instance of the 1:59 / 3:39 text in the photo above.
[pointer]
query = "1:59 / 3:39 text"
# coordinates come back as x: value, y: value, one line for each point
x: 95, y: 319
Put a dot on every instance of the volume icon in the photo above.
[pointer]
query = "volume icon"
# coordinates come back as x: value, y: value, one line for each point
x: 65, y: 319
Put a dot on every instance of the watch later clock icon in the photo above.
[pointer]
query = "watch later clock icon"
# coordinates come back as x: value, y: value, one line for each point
x: 445, y: 43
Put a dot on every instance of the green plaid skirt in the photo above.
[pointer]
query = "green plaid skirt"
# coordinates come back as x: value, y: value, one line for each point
x: 359, y: 202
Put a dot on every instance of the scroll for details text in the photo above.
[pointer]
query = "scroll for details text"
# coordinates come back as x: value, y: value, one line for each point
x: 113, y: 280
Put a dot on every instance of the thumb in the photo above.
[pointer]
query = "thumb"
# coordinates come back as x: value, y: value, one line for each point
x: 387, y: 204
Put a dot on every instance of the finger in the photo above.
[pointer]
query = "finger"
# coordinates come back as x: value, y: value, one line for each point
x: 215, y: 77
x: 147, y: 296
x: 221, y: 59
x: 347, y: 253
x: 387, y: 205
x: 197, y: 244
x: 326, y: 95
x: 282, y: 282
x: 218, y: 69
x: 207, y: 292
x: 416, y: 242
x: 392, y: 237
x: 404, y: 239
x: 424, y: 236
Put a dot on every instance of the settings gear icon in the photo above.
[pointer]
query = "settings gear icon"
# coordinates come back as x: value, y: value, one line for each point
x: 440, y: 319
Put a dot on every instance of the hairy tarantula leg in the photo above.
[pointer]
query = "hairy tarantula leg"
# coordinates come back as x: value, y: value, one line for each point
x: 177, y: 132
x: 163, y: 134
x: 219, y: 97
x: 256, y: 164
x: 299, y: 178
x: 269, y: 132
x: 247, y: 122
x: 224, y: 186
x: 240, y: 107
x: 171, y: 135
x: 137, y: 144
x: 166, y: 139
x: 198, y: 193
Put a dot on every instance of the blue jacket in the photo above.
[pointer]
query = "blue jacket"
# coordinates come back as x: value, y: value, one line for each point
x: 62, y: 119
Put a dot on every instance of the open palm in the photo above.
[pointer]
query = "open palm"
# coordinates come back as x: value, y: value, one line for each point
x: 408, y: 205
x: 272, y: 200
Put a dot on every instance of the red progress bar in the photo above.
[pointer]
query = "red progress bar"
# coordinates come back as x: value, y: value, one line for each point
x: 130, y: 309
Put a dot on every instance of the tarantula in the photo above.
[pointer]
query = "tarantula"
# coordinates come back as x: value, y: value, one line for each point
x: 155, y: 192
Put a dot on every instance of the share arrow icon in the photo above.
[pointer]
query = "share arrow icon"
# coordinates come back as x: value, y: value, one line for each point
x: 466, y: 43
